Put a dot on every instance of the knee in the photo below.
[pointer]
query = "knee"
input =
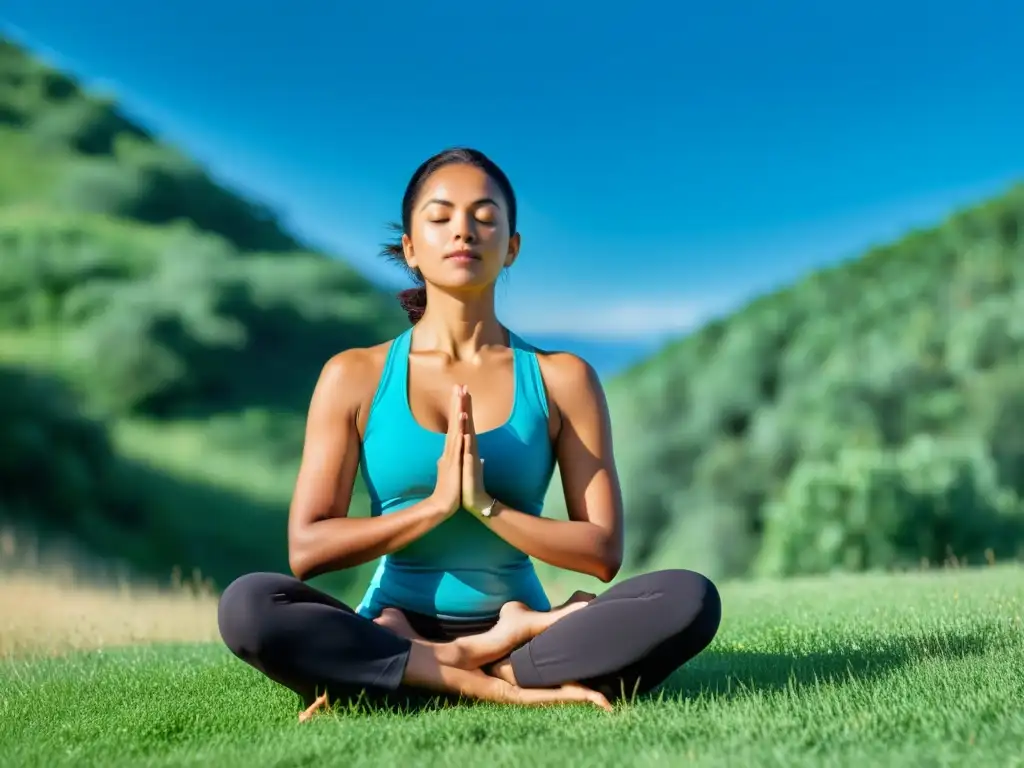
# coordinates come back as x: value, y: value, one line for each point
x: 692, y: 601
x: 242, y: 612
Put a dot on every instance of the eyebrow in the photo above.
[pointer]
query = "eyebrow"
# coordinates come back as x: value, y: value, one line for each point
x: 449, y: 204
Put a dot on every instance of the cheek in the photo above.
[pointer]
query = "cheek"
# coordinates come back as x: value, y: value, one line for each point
x: 430, y: 240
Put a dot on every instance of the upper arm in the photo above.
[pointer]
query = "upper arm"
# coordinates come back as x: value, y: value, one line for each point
x: 330, y: 453
x: 583, y: 444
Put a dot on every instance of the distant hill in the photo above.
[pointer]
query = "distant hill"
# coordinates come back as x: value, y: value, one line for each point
x: 181, y: 324
x: 867, y: 416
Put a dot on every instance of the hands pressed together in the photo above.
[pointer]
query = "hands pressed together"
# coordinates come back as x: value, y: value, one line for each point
x: 460, y: 483
x: 460, y: 470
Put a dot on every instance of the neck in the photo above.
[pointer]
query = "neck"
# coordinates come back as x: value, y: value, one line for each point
x: 460, y: 325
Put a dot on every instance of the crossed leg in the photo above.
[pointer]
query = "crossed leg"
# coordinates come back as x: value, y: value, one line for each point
x: 316, y: 645
x: 630, y: 638
x: 517, y: 624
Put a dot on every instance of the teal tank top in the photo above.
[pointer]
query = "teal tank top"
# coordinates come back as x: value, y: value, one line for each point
x: 460, y: 569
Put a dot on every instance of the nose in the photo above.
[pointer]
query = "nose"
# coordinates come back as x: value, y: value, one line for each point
x: 464, y: 230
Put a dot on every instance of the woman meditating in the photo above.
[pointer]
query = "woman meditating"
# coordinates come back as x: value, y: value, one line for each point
x: 456, y: 426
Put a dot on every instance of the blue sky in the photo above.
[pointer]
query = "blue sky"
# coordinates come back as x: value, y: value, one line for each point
x: 670, y: 161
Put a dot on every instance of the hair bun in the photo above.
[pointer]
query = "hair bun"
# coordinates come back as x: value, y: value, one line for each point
x: 414, y: 302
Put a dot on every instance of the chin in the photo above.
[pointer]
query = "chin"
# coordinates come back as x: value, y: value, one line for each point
x: 468, y: 287
x: 469, y: 278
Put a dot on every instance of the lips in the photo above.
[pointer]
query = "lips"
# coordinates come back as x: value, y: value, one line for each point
x: 463, y: 256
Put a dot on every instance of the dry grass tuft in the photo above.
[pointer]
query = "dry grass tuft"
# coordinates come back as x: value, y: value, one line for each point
x: 55, y: 599
x: 41, y: 614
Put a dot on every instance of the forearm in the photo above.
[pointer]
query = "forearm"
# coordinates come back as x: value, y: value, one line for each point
x: 336, y: 543
x: 574, y: 545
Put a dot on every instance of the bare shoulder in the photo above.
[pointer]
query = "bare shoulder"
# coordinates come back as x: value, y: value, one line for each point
x: 351, y: 376
x: 352, y: 365
x: 571, y: 381
x: 566, y: 371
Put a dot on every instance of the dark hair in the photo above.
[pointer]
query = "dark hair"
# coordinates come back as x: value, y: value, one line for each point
x: 414, y: 300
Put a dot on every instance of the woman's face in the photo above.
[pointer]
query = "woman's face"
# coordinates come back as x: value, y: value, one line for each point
x: 459, y: 235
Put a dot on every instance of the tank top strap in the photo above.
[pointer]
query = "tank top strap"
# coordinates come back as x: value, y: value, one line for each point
x: 391, y: 389
x: 529, y: 381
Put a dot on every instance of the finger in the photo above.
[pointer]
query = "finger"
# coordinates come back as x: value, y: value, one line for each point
x: 467, y: 404
x: 472, y: 464
x: 454, y: 424
x: 467, y: 460
x: 459, y: 437
x: 451, y: 422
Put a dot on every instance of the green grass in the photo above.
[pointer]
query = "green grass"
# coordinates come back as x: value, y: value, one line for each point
x: 916, y: 669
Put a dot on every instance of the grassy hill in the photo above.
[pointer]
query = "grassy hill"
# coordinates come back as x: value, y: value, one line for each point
x: 866, y: 417
x: 159, y: 339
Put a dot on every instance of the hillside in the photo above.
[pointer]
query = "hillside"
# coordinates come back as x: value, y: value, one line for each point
x: 159, y: 339
x: 160, y: 336
x: 868, y: 416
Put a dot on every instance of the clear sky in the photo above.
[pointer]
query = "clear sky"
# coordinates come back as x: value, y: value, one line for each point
x: 671, y: 159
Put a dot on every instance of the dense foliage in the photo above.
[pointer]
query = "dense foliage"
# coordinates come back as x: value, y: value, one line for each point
x: 160, y: 298
x: 868, y: 416
x: 195, y: 299
x: 180, y: 320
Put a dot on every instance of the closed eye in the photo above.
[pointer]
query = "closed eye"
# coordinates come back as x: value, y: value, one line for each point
x: 481, y: 221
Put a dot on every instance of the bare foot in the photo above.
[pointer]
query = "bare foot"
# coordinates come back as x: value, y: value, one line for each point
x: 320, y: 703
x: 395, y: 620
x: 517, y: 625
x: 521, y: 624
x: 578, y: 596
x: 567, y: 693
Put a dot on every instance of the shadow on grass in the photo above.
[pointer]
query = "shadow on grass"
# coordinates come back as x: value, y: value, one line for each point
x: 726, y: 674
x: 731, y: 673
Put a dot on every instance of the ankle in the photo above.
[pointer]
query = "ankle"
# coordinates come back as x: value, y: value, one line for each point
x: 454, y: 654
x: 503, y: 671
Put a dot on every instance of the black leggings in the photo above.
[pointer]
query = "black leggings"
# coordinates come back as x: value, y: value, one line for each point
x: 627, y: 640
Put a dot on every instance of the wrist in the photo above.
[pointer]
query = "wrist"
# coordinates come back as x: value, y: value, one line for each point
x: 483, y: 506
x: 438, y: 508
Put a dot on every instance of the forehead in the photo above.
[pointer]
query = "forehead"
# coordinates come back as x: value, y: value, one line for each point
x: 460, y: 184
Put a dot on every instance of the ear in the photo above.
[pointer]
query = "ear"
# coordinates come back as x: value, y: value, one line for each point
x: 514, y: 244
x: 410, y: 255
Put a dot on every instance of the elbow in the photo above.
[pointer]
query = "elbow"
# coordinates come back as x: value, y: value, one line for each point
x: 610, y: 563
x: 607, y: 571
x: 300, y: 560
x: 298, y: 568
x: 608, y: 567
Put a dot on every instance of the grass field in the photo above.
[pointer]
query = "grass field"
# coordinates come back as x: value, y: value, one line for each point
x: 914, y: 669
